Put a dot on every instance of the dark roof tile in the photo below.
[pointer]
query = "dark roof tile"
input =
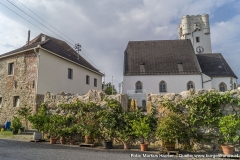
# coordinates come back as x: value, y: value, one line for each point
x: 214, y: 65
x: 57, y: 46
x: 160, y: 57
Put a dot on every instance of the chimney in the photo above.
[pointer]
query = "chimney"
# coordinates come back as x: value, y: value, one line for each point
x: 142, y: 67
x: 43, y: 38
x: 28, y: 37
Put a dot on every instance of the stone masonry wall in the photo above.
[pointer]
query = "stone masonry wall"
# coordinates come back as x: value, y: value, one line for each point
x: 96, y: 96
x: 154, y: 99
x: 21, y: 83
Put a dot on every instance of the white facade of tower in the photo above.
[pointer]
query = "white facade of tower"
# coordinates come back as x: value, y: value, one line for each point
x: 197, y: 29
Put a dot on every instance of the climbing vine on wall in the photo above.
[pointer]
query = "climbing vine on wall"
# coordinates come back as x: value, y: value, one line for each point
x: 202, y: 110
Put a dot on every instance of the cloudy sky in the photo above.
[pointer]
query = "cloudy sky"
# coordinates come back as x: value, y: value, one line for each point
x: 104, y: 27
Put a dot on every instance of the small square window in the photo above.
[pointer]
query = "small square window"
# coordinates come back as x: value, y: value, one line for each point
x: 197, y: 39
x: 87, y: 79
x: 70, y: 73
x: 33, y: 84
x: 16, y: 101
x: 95, y: 82
x: 10, y: 68
x: 0, y: 101
x: 15, y: 85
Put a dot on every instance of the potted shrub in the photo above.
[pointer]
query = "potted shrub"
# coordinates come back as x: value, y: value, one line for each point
x: 88, y: 126
x: 107, y: 132
x: 24, y: 112
x: 125, y: 131
x: 15, y: 125
x: 71, y: 131
x: 109, y: 119
x: 88, y: 120
x: 170, y: 128
x: 63, y: 134
x: 54, y: 127
x: 142, y: 129
x: 40, y: 121
x: 64, y: 123
x: 228, y: 128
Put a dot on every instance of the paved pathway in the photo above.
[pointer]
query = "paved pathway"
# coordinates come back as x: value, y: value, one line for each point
x: 22, y: 150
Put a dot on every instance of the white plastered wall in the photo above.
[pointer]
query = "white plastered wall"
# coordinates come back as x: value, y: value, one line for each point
x: 207, y: 82
x: 227, y: 80
x: 175, y: 83
x: 205, y: 39
x: 53, y: 76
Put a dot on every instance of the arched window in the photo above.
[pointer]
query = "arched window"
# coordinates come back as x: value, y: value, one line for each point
x: 234, y: 86
x: 190, y: 85
x: 144, y: 103
x: 222, y: 87
x: 162, y: 86
x: 139, y: 86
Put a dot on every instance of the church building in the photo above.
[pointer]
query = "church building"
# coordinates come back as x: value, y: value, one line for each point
x: 173, y: 66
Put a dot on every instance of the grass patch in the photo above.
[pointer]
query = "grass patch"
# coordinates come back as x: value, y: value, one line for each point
x: 6, y: 134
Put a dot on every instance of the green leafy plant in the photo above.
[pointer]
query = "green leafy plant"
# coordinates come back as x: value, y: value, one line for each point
x: 40, y: 121
x: 65, y: 122
x: 202, y: 110
x: 171, y: 127
x: 88, y: 119
x: 109, y: 119
x: 24, y: 112
x: 16, y: 124
x: 125, y: 132
x: 228, y: 127
x: 142, y: 128
x: 109, y: 89
x: 71, y: 131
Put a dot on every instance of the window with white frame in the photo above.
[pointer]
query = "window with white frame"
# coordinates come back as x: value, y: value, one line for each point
x: 222, y: 87
x: 70, y: 73
x: 95, y: 82
x: 197, y: 39
x: 87, y: 79
x: 138, y: 86
x: 162, y: 86
x: 190, y: 85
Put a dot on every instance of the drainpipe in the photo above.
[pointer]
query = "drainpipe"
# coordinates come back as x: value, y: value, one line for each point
x: 36, y: 83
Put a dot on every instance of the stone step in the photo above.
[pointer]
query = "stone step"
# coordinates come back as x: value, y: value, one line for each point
x: 31, y: 130
x: 27, y: 133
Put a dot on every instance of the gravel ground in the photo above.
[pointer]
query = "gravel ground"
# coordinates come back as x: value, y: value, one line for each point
x: 19, y: 148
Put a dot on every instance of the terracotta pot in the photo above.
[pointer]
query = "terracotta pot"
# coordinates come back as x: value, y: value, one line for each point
x: 144, y: 147
x: 53, y: 140
x: 227, y: 149
x: 72, y: 142
x: 127, y: 145
x: 89, y: 139
x: 63, y: 140
x: 170, y: 146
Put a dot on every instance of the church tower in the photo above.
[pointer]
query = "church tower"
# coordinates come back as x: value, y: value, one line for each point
x: 197, y: 29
